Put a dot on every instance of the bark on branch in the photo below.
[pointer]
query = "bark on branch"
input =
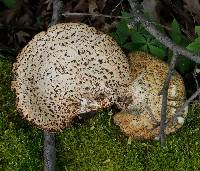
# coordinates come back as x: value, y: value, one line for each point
x: 180, y: 110
x: 164, y: 93
x: 49, y: 151
x: 158, y: 35
x: 57, y: 11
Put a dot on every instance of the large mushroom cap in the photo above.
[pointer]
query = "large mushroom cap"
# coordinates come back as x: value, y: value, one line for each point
x: 69, y: 69
x: 142, y: 119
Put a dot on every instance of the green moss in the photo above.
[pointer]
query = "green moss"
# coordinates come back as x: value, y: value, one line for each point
x: 20, y: 144
x: 95, y: 145
x: 21, y: 150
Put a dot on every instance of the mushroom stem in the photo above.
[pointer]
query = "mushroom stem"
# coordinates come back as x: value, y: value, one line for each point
x: 49, y: 151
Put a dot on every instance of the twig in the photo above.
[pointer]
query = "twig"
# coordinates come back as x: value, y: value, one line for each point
x: 149, y: 111
x: 164, y: 93
x: 158, y: 35
x: 120, y: 2
x: 195, y: 77
x: 66, y: 14
x: 49, y: 138
x: 177, y: 50
x: 49, y: 151
x: 180, y: 110
x: 57, y: 11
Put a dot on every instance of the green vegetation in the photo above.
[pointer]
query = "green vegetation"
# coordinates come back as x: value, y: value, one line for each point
x: 95, y: 145
x: 10, y: 3
x: 20, y: 144
x: 137, y: 38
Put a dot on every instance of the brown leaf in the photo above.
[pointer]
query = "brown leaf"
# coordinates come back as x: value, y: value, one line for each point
x: 109, y: 27
x: 48, y: 3
x: 25, y: 20
x: 10, y: 14
x: 21, y: 36
x: 93, y: 9
x: 194, y: 7
x: 101, y: 4
x: 82, y: 6
x: 149, y: 6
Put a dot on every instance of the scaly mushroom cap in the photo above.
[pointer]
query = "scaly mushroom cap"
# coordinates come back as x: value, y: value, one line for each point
x: 141, y: 120
x: 69, y: 69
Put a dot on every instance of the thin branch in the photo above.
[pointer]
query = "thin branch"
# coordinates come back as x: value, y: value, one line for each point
x: 49, y: 151
x: 57, y: 11
x: 67, y: 14
x: 177, y: 50
x: 170, y: 71
x: 149, y: 111
x: 49, y: 138
x: 164, y: 93
x: 195, y: 77
x: 158, y: 35
x: 180, y: 110
x: 120, y: 2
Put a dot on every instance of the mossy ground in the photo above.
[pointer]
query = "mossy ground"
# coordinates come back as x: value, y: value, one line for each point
x: 96, y: 145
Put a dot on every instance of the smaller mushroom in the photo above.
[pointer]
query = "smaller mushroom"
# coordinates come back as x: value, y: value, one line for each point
x: 140, y: 116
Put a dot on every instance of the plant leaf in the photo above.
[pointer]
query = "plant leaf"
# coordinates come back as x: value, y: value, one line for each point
x: 184, y: 64
x: 197, y: 29
x: 122, y: 31
x: 10, y: 3
x: 157, y: 51
x: 131, y: 46
x: 137, y: 37
x: 115, y: 36
x: 127, y: 16
x: 175, y: 33
x: 194, y: 46
x: 145, y: 48
x: 155, y: 42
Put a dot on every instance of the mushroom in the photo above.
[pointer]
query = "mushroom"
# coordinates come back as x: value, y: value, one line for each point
x: 69, y: 69
x: 141, y: 116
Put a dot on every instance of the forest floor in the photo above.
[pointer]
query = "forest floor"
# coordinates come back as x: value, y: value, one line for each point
x: 96, y: 145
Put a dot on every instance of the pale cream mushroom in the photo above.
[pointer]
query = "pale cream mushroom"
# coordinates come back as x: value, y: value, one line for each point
x: 141, y: 120
x: 69, y: 69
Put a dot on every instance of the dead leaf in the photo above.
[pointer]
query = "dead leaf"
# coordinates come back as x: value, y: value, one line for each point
x: 48, y: 3
x: 93, y: 9
x: 109, y: 27
x: 82, y: 6
x: 149, y: 7
x: 21, y: 36
x: 25, y: 20
x: 101, y: 4
x: 10, y: 15
x: 193, y: 7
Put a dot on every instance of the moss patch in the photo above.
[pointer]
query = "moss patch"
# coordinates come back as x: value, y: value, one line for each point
x: 95, y: 145
x: 20, y: 144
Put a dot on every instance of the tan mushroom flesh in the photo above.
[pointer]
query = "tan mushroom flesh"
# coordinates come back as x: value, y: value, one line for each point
x: 69, y: 69
x: 141, y: 120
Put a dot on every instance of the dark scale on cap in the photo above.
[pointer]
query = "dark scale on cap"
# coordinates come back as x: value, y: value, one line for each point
x: 57, y: 67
